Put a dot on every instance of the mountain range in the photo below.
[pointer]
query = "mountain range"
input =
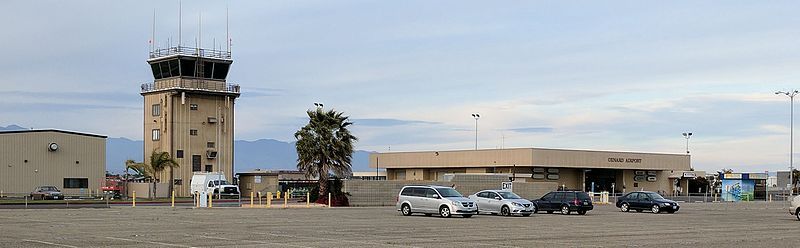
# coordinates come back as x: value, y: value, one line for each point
x: 266, y: 154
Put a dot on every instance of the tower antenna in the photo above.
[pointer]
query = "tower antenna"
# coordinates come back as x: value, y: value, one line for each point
x: 180, y: 22
x: 153, y: 35
x: 227, y: 30
x: 199, y: 30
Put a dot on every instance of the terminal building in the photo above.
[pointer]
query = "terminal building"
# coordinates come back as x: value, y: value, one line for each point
x: 591, y: 171
x: 72, y: 161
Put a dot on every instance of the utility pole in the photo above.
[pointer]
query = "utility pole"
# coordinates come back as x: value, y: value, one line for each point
x: 791, y: 95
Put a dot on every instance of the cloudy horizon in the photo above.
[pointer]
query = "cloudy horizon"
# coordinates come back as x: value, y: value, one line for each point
x: 624, y: 75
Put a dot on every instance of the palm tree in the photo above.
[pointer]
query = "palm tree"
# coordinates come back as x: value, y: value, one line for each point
x: 324, y: 146
x: 158, y: 162
x: 140, y: 169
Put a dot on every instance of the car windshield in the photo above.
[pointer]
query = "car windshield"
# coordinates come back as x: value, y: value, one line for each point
x: 448, y: 192
x: 49, y: 188
x: 216, y: 182
x: 508, y: 195
x: 654, y: 196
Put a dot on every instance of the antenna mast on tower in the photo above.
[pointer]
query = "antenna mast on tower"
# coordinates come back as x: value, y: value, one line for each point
x: 180, y: 22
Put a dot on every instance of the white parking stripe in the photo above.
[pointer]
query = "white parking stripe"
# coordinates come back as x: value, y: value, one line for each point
x: 48, y: 243
x: 251, y: 241
x: 149, y: 242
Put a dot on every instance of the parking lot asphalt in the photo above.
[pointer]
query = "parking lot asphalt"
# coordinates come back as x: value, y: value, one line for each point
x: 697, y: 224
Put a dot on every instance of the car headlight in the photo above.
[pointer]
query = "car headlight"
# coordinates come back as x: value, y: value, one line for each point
x: 666, y: 204
x: 516, y: 204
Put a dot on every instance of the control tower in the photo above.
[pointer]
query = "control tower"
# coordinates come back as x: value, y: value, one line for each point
x: 188, y: 112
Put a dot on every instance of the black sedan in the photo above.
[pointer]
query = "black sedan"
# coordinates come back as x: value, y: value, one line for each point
x: 645, y: 200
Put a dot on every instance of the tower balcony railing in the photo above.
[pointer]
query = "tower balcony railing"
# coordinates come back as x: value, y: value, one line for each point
x: 190, y: 51
x: 191, y: 84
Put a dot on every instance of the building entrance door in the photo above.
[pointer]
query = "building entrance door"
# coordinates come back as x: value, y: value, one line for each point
x: 602, y: 179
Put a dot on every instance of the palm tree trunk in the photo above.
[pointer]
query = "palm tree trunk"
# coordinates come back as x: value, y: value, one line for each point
x: 155, y: 189
x: 171, y: 180
x: 323, y: 187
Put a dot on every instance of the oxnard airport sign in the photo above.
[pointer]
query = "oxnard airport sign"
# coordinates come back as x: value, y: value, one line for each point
x: 625, y: 160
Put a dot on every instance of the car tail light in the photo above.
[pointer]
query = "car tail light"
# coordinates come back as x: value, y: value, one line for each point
x: 396, y: 199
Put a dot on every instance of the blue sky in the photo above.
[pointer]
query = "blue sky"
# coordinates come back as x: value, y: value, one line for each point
x: 611, y: 75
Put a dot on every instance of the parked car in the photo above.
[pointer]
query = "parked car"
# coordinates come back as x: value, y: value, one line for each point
x: 430, y: 200
x: 645, y: 200
x: 47, y: 192
x: 564, y: 201
x: 795, y: 207
x: 505, y: 203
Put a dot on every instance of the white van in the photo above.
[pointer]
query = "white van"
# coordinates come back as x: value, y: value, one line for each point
x: 213, y: 182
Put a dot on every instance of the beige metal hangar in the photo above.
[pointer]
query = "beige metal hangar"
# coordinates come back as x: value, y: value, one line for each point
x: 572, y: 169
x: 74, y: 162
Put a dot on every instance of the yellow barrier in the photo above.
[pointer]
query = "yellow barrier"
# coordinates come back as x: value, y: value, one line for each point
x: 197, y: 199
x: 269, y: 199
x: 259, y: 198
x: 252, y: 194
x: 278, y: 196
x: 329, y: 199
x: 210, y: 200
x: 173, y: 198
x: 134, y: 199
x: 308, y: 199
x: 286, y: 200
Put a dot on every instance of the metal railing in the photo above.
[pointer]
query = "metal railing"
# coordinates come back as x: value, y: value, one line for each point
x: 191, y: 84
x: 190, y: 51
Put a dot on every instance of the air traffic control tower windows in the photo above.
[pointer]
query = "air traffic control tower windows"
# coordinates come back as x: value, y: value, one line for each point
x: 189, y: 67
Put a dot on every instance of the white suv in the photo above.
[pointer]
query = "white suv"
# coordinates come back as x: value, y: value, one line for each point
x: 430, y: 200
x: 795, y: 209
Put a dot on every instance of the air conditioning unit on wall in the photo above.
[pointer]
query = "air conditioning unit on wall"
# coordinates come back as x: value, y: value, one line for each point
x: 211, y: 154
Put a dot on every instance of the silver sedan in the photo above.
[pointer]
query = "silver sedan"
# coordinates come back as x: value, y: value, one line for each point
x: 501, y: 202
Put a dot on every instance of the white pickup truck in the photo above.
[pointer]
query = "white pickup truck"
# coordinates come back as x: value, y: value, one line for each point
x: 213, y: 182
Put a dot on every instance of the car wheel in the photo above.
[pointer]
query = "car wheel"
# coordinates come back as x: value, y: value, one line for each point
x: 581, y: 212
x: 797, y: 213
x: 565, y: 210
x: 467, y: 216
x: 406, y: 209
x: 526, y: 215
x: 444, y: 211
x: 534, y: 209
x: 504, y: 211
x: 625, y: 207
x: 655, y: 209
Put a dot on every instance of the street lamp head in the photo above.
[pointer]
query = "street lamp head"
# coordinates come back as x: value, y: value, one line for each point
x: 476, y: 115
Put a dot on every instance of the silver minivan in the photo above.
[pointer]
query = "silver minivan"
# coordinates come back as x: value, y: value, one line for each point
x: 432, y: 199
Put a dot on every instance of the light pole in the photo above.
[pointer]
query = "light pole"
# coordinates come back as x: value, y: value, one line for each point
x: 688, y: 135
x: 476, y: 116
x: 791, y: 95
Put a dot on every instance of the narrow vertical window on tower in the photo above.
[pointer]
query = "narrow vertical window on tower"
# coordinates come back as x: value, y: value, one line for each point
x: 209, y: 168
x: 210, y: 145
x: 193, y: 106
x: 156, y: 109
x: 156, y: 134
x: 193, y: 132
x: 179, y: 154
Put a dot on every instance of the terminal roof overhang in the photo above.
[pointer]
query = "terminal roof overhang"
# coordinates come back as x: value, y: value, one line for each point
x: 535, y: 157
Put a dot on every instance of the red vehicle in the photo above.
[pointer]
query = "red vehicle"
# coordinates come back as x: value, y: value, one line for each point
x: 114, y: 187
